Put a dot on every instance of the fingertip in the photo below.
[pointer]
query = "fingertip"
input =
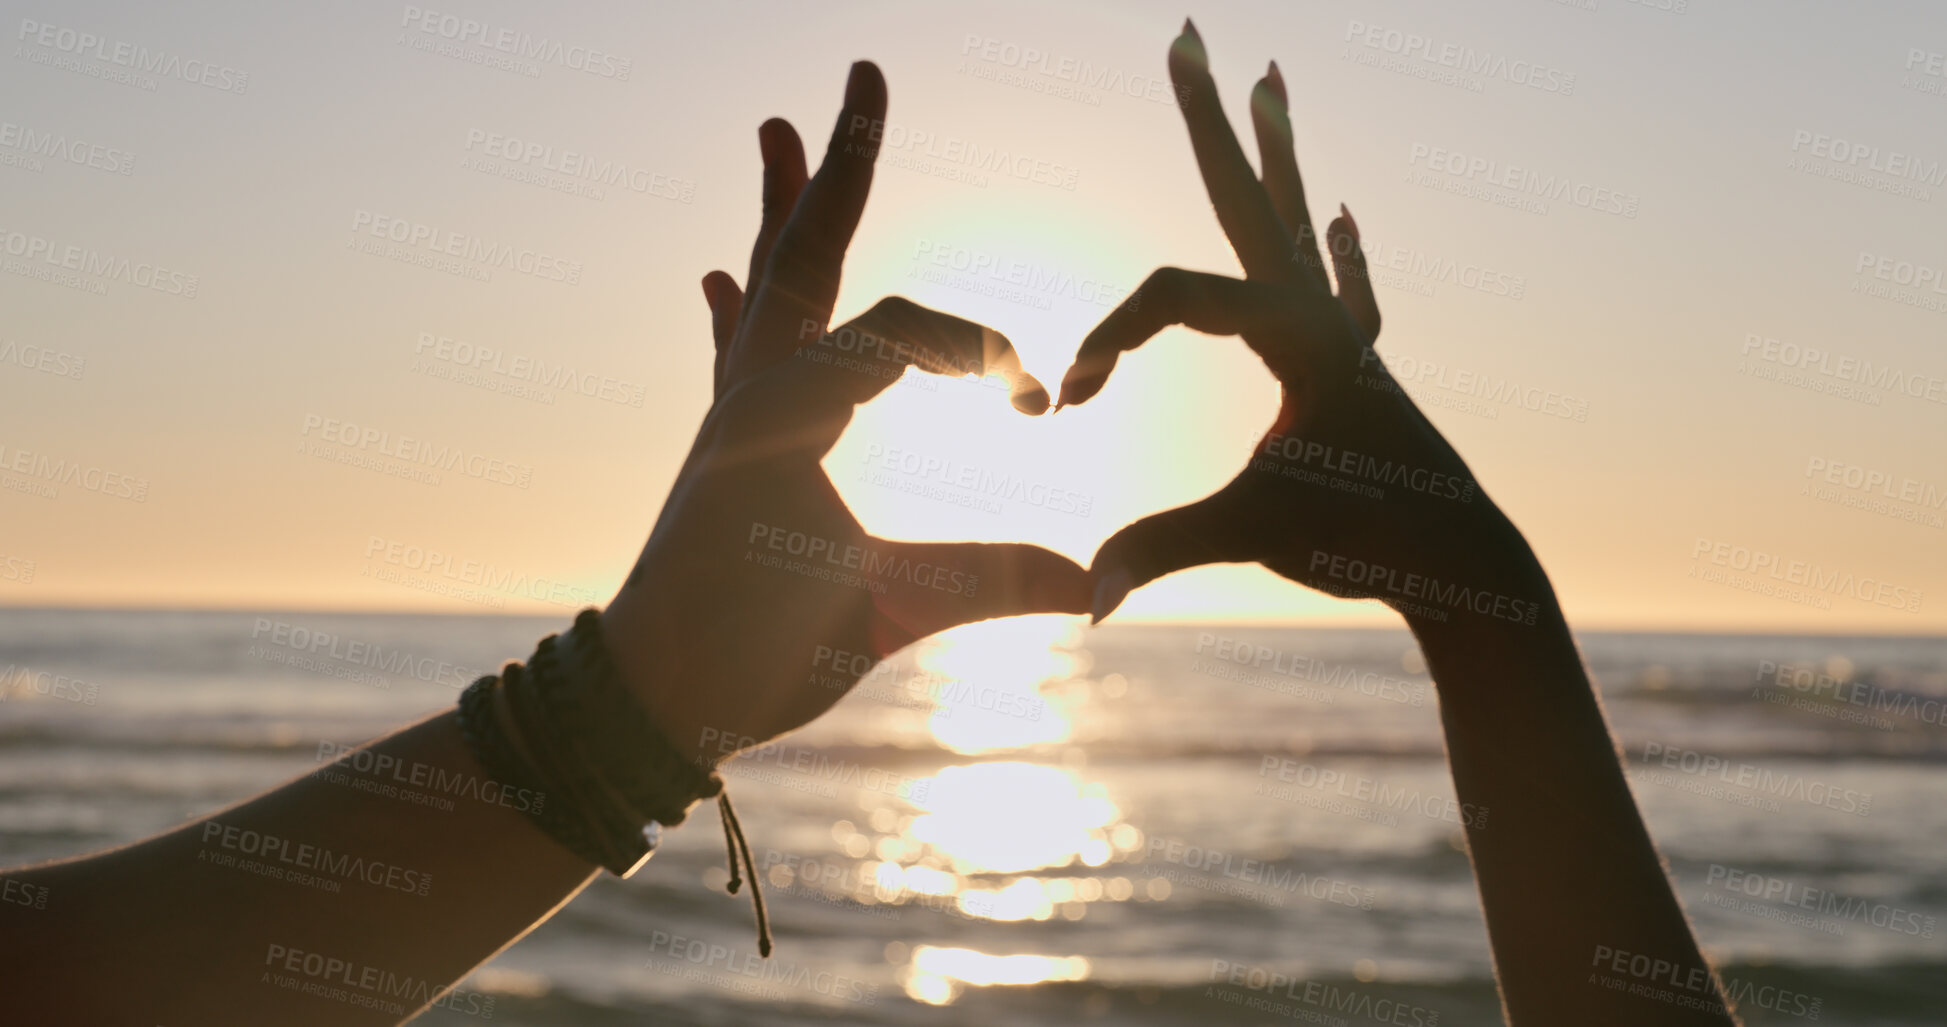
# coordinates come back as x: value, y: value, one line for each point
x: 1187, y: 55
x: 770, y: 140
x: 1351, y: 223
x: 1062, y: 588
x: 1030, y: 397
x: 1264, y: 97
x: 1111, y: 588
x: 865, y: 87
x: 1077, y: 389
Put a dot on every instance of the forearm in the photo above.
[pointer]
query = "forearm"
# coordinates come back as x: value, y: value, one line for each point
x: 1569, y: 878
x: 333, y: 899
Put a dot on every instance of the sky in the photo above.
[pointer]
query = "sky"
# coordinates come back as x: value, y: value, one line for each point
x: 1669, y: 275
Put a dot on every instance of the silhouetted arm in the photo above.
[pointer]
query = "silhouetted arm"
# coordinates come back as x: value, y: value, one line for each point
x: 323, y: 901
x: 1353, y: 492
x: 1579, y: 906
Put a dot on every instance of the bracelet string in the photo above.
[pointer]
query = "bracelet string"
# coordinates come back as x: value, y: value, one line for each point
x: 605, y: 777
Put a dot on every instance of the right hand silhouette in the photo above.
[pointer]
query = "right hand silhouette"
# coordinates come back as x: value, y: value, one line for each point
x: 1304, y: 507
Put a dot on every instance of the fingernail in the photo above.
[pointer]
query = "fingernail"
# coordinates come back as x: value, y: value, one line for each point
x: 1032, y: 400
x: 1110, y: 592
x: 1350, y: 222
x: 1189, y: 47
x: 1073, y: 391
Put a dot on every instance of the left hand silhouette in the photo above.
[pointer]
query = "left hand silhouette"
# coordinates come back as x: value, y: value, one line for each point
x: 756, y: 565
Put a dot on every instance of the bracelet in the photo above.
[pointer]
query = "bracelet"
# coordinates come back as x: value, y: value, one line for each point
x: 564, y: 725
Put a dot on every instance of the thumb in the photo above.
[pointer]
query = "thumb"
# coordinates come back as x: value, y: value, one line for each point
x: 926, y: 587
x: 1212, y: 530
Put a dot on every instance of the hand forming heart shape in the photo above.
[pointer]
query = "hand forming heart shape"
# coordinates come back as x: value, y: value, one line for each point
x: 755, y: 543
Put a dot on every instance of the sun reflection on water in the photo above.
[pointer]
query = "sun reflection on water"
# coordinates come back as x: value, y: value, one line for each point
x: 1012, y: 817
x: 938, y: 975
x: 990, y: 682
x: 1021, y: 834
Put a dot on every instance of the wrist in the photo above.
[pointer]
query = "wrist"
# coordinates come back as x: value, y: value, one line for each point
x: 641, y: 645
x: 1491, y: 584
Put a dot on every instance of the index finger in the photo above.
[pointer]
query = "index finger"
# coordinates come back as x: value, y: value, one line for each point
x: 800, y: 280
x: 1243, y: 207
x: 803, y: 404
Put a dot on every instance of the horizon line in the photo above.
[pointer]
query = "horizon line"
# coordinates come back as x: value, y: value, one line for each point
x: 1306, y: 623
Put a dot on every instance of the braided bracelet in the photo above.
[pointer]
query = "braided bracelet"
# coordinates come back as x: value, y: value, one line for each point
x: 565, y: 727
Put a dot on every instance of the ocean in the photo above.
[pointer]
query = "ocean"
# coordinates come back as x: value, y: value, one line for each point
x: 1033, y: 822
